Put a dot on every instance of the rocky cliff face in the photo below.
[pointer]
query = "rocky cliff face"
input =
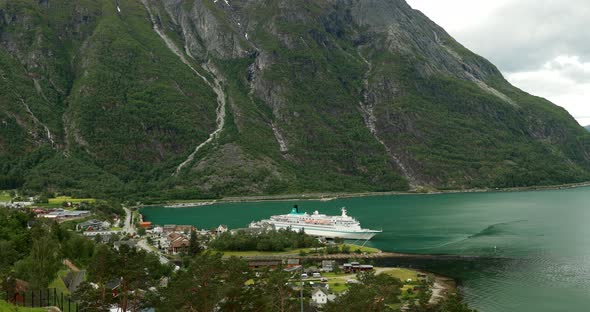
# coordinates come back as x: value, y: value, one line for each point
x: 205, y: 97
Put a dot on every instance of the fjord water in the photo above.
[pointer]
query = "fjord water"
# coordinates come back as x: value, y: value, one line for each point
x: 534, y: 246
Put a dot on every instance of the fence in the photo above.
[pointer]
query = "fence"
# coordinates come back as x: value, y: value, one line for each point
x: 43, y: 298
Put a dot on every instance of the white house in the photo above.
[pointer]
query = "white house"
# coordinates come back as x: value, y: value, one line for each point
x: 319, y: 296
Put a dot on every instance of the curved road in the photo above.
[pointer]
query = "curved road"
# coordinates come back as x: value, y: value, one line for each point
x: 142, y: 243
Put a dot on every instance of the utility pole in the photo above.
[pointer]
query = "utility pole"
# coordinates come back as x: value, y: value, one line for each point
x: 301, y: 289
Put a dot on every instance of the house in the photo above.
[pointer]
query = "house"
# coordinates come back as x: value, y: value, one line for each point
x: 292, y: 263
x: 92, y: 225
x: 173, y: 228
x: 365, y: 267
x: 15, y: 290
x: 61, y: 214
x: 129, y: 243
x: 18, y: 204
x: 74, y: 279
x: 319, y: 296
x: 168, y: 228
x: 105, y: 236
x: 186, y: 229
x: 177, y: 243
x: 356, y: 267
x: 145, y: 224
x: 328, y: 265
x: 221, y: 229
x: 273, y: 264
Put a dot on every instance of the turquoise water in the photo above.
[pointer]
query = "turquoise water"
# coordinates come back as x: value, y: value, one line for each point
x: 535, y: 245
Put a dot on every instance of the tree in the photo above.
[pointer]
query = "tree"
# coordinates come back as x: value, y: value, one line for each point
x: 92, y: 299
x: 101, y: 271
x: 277, y: 292
x: 197, y: 289
x: 43, y: 263
x: 194, y: 247
x: 136, y: 272
x: 141, y: 231
x: 139, y: 272
x: 373, y: 293
x: 453, y: 303
x: 211, y: 283
x: 237, y: 295
x: 345, y: 249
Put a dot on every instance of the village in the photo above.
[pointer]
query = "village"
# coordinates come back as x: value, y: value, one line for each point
x: 318, y: 275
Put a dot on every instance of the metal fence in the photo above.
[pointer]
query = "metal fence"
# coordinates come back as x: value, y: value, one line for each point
x: 43, y: 298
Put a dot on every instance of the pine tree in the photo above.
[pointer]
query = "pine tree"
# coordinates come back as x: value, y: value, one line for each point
x: 194, y: 245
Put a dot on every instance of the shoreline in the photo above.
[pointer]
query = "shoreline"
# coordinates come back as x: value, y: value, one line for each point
x: 443, y: 287
x: 334, y: 196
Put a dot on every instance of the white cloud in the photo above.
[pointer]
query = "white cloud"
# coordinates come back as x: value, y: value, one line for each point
x: 542, y: 46
x: 564, y: 80
x: 456, y: 15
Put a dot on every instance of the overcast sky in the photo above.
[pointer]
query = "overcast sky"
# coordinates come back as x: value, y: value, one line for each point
x: 541, y: 46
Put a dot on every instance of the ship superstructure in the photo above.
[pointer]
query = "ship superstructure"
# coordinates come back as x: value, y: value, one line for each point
x: 317, y: 224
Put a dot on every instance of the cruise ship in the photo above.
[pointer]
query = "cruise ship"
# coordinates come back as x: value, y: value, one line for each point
x: 316, y: 224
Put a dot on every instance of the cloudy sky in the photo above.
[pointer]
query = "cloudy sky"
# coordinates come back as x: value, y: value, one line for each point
x: 541, y: 46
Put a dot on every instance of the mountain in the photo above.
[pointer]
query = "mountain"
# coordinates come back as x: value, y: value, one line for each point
x: 200, y: 98
x: 587, y: 128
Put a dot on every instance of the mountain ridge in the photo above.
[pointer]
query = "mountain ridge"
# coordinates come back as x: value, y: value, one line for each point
x: 203, y: 98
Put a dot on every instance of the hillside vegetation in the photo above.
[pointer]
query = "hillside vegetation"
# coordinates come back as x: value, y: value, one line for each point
x: 158, y: 99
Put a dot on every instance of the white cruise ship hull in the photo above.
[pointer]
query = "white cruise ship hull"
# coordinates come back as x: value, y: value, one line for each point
x: 329, y: 233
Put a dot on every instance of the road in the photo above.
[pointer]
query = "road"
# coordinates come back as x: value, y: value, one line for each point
x: 128, y: 227
x: 142, y: 243
x: 145, y: 246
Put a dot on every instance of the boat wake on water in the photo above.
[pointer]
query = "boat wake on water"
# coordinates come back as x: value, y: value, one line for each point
x: 497, y: 229
x: 482, y: 242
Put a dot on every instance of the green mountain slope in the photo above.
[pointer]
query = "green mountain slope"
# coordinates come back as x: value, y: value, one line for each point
x: 181, y: 99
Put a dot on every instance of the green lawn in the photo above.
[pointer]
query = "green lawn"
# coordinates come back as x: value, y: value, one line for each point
x: 58, y: 201
x: 294, y: 252
x: 337, y: 281
x: 364, y: 249
x: 7, y: 307
x: 402, y: 274
x: 265, y: 253
x: 59, y: 283
x: 4, y: 196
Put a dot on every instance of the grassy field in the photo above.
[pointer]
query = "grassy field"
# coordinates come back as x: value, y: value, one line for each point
x: 265, y: 253
x: 7, y: 307
x: 60, y: 199
x: 296, y: 252
x: 402, y: 274
x: 363, y: 249
x: 337, y: 281
x: 57, y: 202
x: 4, y: 196
x: 58, y: 282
